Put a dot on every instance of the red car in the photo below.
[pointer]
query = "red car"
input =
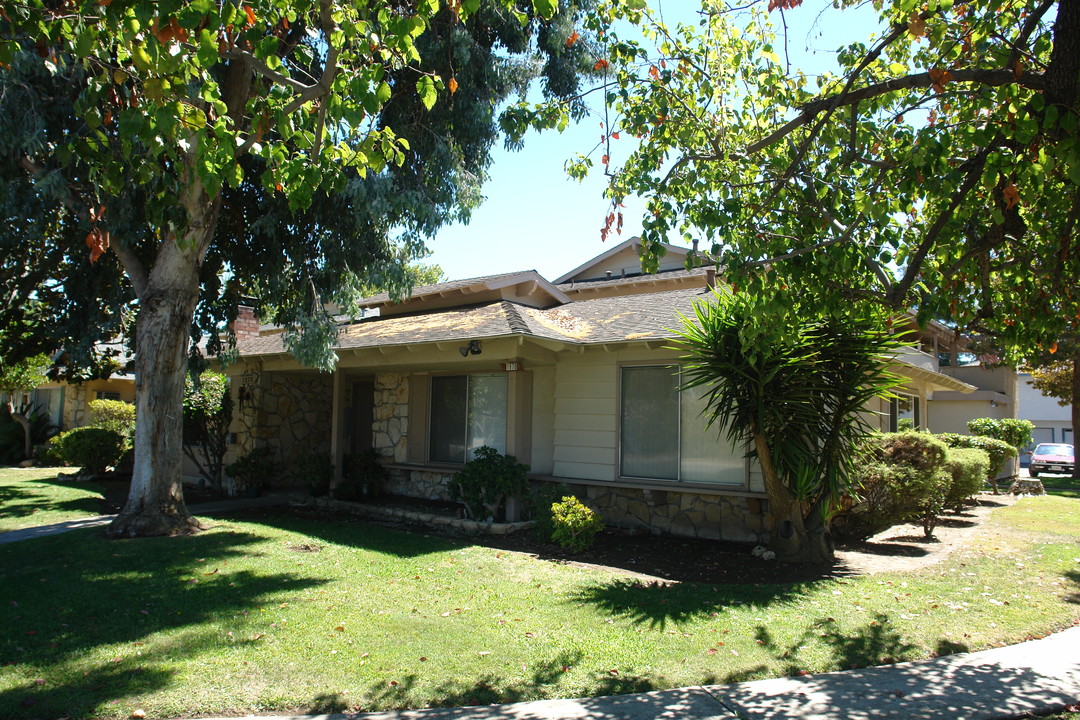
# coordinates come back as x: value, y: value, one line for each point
x: 1054, y: 458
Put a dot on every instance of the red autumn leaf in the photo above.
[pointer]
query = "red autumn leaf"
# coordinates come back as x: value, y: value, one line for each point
x: 601, y: 64
x: 1053, y: 348
x: 250, y: 15
x: 452, y: 85
x: 916, y: 25
x: 604, y: 160
x: 939, y: 78
x: 285, y: 23
x: 1011, y: 194
x: 614, y: 136
x: 654, y: 73
x: 572, y: 39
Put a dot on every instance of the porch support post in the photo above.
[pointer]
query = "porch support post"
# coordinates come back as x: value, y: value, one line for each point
x: 337, y: 425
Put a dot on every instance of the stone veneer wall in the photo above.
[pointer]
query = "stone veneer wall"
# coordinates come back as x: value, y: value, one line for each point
x: 290, y: 413
x: 718, y: 517
x: 390, y: 428
x: 390, y: 431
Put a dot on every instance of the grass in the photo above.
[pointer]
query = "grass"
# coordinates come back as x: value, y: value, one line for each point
x: 292, y: 613
x: 1061, y: 485
x: 30, y: 497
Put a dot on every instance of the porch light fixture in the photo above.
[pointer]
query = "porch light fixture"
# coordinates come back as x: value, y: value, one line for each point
x: 473, y: 348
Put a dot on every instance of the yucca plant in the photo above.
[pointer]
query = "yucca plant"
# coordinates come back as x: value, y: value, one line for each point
x: 796, y: 383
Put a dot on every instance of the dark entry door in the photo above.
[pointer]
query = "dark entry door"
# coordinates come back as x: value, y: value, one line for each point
x: 363, y: 414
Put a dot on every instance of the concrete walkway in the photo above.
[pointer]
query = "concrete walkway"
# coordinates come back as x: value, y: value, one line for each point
x: 1039, y: 676
x: 210, y: 508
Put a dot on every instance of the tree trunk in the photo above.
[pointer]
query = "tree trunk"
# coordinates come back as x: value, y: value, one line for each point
x: 794, y: 537
x: 1075, y: 408
x: 167, y: 301
x: 24, y: 423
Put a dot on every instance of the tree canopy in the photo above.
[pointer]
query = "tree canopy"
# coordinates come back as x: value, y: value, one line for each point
x: 207, y: 150
x: 939, y: 169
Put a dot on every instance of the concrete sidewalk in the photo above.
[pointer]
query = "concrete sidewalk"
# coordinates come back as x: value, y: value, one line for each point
x: 1039, y: 676
x: 211, y: 508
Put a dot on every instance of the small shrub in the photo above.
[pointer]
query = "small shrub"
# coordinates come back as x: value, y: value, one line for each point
x: 115, y: 415
x: 362, y: 478
x: 967, y: 468
x: 998, y: 451
x: 538, y: 509
x: 316, y: 470
x: 905, y: 424
x: 93, y: 449
x: 51, y: 452
x: 1014, y: 431
x: 254, y: 470
x: 902, y: 477
x: 574, y: 526
x: 485, y: 482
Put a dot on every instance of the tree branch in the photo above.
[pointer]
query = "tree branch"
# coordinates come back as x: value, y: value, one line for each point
x: 899, y: 292
x: 994, y: 78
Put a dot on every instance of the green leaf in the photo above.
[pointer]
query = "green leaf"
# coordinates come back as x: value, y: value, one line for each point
x: 546, y: 8
x: 425, y: 87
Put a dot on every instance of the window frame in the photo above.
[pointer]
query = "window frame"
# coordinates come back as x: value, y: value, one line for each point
x: 741, y: 487
x: 431, y: 419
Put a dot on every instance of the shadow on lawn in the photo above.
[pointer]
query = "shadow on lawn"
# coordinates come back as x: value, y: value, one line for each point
x: 658, y: 603
x: 349, y: 531
x: 487, y: 689
x: 16, y: 501
x: 60, y: 601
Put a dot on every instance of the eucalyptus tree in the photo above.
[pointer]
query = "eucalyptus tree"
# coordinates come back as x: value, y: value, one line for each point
x: 298, y: 149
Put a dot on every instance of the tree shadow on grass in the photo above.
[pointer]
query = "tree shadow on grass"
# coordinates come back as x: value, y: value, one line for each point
x: 875, y: 643
x: 151, y: 599
x: 659, y: 603
x: 20, y: 502
x: 349, y: 531
x: 487, y: 689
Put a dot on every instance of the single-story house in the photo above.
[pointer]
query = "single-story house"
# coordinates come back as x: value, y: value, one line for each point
x: 573, y: 376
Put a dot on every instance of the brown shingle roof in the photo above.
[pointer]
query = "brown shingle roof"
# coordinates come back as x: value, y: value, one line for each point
x: 440, y: 287
x: 600, y: 320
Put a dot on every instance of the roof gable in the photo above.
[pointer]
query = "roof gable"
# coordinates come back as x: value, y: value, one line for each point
x: 624, y: 259
x: 525, y: 287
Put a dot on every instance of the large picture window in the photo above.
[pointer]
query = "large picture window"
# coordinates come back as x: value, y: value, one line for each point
x: 663, y: 435
x: 467, y: 412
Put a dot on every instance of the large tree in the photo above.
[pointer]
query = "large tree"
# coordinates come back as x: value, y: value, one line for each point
x: 212, y: 149
x: 938, y: 169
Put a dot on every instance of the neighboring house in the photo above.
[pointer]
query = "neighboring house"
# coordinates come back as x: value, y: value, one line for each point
x: 1053, y: 422
x: 574, y: 377
x: 67, y: 404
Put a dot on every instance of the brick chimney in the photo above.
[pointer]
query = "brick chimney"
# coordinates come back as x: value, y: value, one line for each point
x: 246, y: 325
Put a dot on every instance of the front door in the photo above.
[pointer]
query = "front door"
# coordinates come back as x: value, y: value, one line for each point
x: 363, y: 415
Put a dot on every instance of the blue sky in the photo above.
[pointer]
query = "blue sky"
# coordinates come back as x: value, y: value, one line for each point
x: 537, y: 218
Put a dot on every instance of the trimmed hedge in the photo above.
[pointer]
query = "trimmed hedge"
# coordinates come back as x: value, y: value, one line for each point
x: 902, y: 476
x: 93, y: 449
x: 998, y: 451
x: 967, y: 467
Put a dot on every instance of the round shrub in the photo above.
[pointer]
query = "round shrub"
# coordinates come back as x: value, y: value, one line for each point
x: 900, y: 477
x: 967, y: 468
x: 93, y: 449
x: 115, y: 415
x: 52, y: 452
x: 574, y: 526
x: 485, y: 482
x: 999, y: 451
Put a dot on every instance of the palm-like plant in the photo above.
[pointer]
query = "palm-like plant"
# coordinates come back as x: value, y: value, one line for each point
x: 797, y: 384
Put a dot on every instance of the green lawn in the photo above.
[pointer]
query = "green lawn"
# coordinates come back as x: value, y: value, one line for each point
x: 30, y: 497
x: 1061, y: 485
x: 298, y: 614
